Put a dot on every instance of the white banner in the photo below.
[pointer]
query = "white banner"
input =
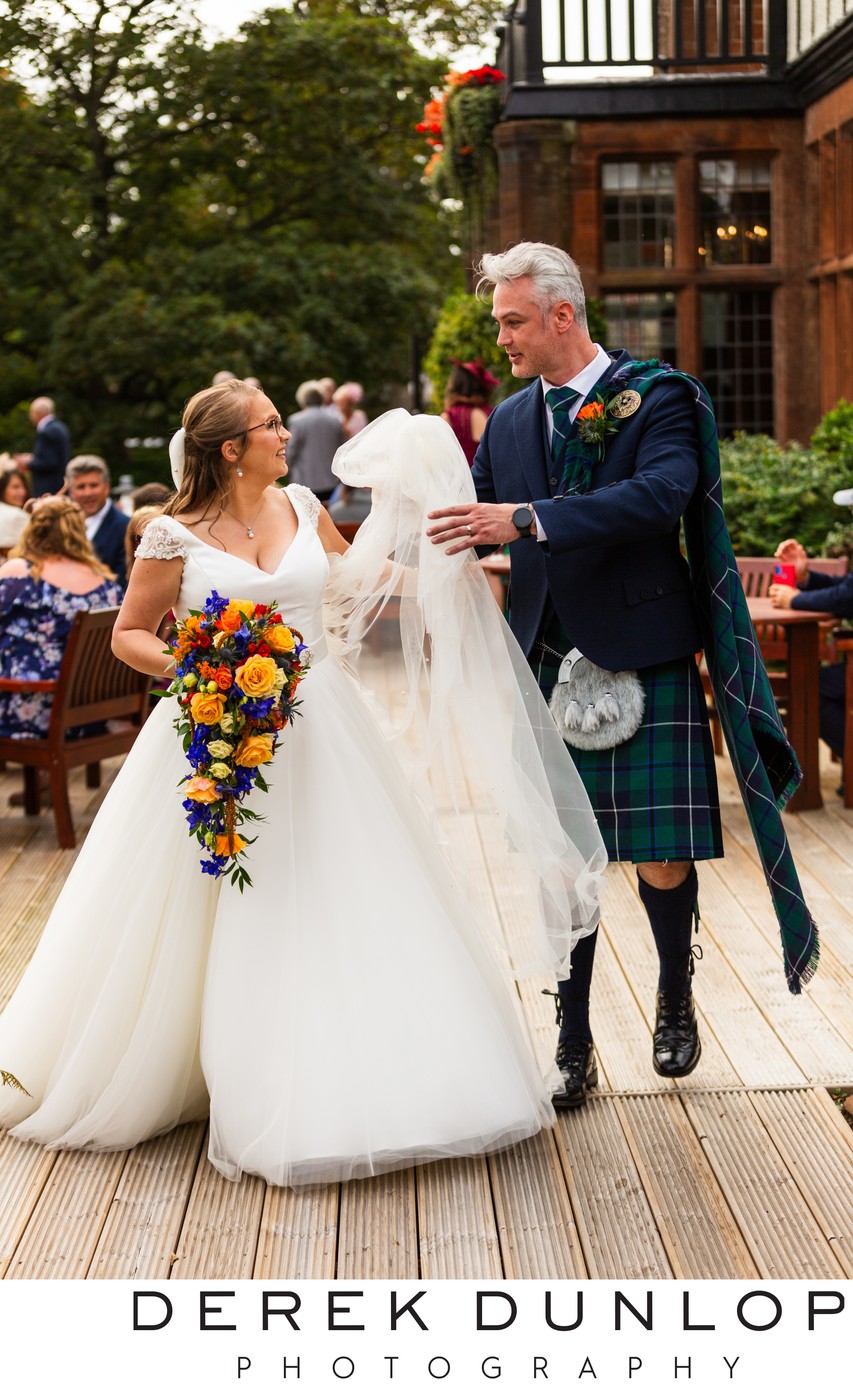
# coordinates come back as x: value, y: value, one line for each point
x: 414, y: 1334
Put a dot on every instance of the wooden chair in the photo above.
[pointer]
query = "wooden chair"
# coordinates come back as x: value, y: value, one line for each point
x: 92, y: 686
x: 756, y: 575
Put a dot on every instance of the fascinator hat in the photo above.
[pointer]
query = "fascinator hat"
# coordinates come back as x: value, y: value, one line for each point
x: 475, y: 368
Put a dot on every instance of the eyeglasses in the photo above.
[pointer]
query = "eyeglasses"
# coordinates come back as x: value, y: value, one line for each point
x: 276, y: 423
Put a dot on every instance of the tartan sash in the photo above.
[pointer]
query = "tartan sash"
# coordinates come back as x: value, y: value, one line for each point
x: 764, y: 762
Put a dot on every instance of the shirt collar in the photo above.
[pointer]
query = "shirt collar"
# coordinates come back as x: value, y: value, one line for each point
x: 585, y: 379
x: 44, y: 421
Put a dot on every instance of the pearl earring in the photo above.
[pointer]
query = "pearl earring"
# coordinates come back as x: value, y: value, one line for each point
x: 239, y: 471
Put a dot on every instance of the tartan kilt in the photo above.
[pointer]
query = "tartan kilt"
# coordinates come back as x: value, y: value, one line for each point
x: 655, y: 796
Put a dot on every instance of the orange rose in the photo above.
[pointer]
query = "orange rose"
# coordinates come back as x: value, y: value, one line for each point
x: 207, y: 708
x: 202, y: 790
x: 223, y: 677
x: 256, y: 678
x: 280, y: 639
x: 222, y: 848
x: 591, y: 411
x: 230, y: 619
x: 254, y: 751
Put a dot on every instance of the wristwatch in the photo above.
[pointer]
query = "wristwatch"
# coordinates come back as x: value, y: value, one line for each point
x: 524, y: 520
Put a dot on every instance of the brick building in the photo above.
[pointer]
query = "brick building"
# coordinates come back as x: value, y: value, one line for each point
x: 696, y: 158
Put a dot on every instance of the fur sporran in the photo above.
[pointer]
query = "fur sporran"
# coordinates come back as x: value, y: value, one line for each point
x: 596, y: 708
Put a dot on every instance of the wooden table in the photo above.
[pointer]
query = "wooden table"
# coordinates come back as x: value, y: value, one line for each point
x: 801, y: 632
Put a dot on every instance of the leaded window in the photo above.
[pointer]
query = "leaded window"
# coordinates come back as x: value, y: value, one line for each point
x: 638, y: 205
x: 734, y: 198
x: 737, y: 358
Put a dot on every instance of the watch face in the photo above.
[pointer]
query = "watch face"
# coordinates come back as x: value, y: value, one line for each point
x: 522, y: 518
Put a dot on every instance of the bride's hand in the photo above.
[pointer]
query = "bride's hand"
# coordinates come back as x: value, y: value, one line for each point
x: 481, y: 522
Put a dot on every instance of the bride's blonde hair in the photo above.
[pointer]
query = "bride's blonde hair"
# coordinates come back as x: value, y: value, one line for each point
x: 210, y: 418
x: 57, y: 530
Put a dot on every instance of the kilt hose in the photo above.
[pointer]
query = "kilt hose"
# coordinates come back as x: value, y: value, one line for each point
x: 655, y: 796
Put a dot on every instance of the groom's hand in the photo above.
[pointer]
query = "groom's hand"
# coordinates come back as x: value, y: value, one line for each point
x: 481, y: 522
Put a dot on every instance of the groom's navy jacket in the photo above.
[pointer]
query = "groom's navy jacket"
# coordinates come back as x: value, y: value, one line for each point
x: 612, y: 562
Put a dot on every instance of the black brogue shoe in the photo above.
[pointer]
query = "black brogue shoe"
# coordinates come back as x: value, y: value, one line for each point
x: 578, y: 1070
x: 676, y: 1046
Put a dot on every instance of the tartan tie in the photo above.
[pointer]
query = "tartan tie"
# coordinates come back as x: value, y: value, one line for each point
x: 571, y: 461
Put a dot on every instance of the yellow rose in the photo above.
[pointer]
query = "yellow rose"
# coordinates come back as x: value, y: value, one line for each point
x: 202, y: 790
x: 207, y: 708
x: 242, y: 605
x: 219, y: 770
x: 220, y: 751
x: 256, y: 678
x: 280, y: 639
x: 254, y: 751
x: 226, y: 722
x: 222, y: 849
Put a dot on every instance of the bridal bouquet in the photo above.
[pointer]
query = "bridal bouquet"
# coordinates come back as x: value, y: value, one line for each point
x: 237, y: 668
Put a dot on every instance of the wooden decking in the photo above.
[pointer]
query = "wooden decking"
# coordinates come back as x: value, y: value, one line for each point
x: 743, y: 1170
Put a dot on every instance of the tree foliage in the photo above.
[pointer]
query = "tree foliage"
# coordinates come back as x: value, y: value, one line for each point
x: 255, y: 204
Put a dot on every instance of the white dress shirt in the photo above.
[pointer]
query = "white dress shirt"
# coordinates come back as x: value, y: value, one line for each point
x: 583, y: 383
x: 93, y: 522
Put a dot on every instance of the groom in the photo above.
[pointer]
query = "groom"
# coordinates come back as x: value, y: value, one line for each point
x: 592, y: 509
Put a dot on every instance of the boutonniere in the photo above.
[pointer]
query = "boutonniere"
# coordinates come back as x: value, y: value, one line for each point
x: 595, y: 423
x: 603, y: 415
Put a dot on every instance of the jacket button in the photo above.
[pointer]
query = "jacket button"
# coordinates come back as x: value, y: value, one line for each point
x: 659, y: 592
x: 644, y: 593
x: 553, y: 481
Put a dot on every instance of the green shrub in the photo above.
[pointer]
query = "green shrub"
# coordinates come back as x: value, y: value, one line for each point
x: 773, y: 493
x: 466, y: 330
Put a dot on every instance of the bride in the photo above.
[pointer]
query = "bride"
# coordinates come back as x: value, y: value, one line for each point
x: 351, y: 1012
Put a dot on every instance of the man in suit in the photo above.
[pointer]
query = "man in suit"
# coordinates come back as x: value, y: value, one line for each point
x: 820, y: 592
x: 88, y: 480
x: 592, y: 520
x: 51, y: 449
x: 316, y: 435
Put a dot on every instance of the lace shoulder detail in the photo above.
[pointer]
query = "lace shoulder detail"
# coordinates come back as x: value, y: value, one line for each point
x: 161, y: 540
x: 306, y: 501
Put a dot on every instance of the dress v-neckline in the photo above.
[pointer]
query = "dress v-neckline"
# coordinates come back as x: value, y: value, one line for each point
x: 268, y: 573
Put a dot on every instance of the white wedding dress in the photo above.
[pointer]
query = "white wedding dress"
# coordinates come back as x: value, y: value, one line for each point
x: 342, y: 1016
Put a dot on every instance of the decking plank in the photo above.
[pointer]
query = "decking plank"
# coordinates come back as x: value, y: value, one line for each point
x: 24, y: 1171
x: 61, y: 1236
x: 378, y: 1228
x: 298, y: 1235
x: 615, y: 1224
x: 774, y: 1219
x: 457, y: 1231
x: 142, y: 1228
x: 816, y: 1145
x: 535, y: 1219
x: 219, y: 1235
x: 698, y: 1230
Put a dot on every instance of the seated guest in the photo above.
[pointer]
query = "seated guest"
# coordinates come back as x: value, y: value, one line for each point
x: 51, y: 574
x: 88, y: 480
x: 13, y: 518
x: 136, y: 525
x: 150, y: 494
x: 819, y: 592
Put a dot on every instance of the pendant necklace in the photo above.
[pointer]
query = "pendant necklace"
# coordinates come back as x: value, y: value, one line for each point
x: 248, y: 528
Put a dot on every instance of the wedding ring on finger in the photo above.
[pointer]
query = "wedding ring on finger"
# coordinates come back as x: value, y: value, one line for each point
x: 470, y: 529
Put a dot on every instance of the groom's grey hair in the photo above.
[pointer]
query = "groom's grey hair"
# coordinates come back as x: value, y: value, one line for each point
x: 555, y: 275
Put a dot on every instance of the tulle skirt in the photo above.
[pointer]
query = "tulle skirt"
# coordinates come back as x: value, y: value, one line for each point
x: 343, y: 1016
